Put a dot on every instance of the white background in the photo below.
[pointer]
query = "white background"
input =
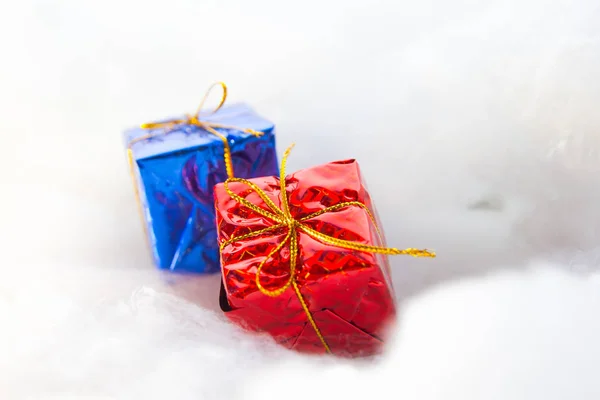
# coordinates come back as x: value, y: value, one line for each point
x: 476, y: 125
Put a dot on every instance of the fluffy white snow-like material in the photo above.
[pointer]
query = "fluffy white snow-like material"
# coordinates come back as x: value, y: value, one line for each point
x: 477, y: 128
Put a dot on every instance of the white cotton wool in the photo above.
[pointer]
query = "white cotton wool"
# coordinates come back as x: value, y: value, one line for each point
x: 475, y: 126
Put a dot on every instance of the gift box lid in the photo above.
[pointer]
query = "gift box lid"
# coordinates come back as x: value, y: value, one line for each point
x: 187, y: 137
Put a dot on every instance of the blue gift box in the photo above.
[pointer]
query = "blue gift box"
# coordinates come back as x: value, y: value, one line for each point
x: 175, y: 169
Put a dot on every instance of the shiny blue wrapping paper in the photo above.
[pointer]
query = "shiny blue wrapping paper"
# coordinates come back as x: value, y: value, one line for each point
x: 176, y: 173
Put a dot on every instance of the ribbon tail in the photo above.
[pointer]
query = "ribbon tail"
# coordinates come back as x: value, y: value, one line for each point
x: 293, y: 261
x: 346, y: 244
x: 159, y: 125
x: 309, y: 316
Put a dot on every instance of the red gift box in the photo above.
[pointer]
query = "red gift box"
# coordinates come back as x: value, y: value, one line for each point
x: 304, y: 260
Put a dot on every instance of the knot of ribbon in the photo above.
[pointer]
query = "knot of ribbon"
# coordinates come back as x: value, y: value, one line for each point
x: 166, y: 127
x: 283, y: 219
x: 196, y: 120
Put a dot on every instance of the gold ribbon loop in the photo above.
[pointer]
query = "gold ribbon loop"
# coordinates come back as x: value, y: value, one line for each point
x: 223, y: 87
x: 284, y: 219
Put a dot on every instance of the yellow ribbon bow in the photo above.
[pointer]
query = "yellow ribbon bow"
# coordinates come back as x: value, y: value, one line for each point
x: 167, y: 127
x: 284, y: 219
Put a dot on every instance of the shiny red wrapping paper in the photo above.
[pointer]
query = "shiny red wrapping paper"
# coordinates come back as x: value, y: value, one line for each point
x: 348, y: 292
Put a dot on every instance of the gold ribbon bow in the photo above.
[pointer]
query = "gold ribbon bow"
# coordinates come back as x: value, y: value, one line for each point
x: 284, y: 219
x: 167, y: 127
